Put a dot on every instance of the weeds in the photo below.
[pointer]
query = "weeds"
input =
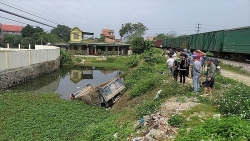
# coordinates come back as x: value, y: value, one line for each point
x: 176, y: 120
x: 232, y: 128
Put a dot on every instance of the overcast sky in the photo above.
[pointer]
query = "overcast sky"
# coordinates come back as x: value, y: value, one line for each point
x: 160, y: 16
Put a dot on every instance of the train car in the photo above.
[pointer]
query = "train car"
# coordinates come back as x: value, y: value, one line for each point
x: 209, y: 41
x: 183, y: 42
x: 158, y: 43
x: 166, y: 43
x: 237, y: 44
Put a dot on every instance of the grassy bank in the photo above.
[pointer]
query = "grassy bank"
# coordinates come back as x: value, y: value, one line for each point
x: 29, y: 116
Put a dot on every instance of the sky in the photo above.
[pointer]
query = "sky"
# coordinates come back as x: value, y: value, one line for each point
x: 159, y: 16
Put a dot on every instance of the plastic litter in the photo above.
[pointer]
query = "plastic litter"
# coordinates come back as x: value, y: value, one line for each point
x: 157, y: 94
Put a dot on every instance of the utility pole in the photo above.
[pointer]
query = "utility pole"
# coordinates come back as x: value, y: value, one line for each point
x: 198, y: 28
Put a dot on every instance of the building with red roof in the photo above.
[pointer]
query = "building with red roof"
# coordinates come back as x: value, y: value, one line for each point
x: 109, y: 35
x: 6, y: 29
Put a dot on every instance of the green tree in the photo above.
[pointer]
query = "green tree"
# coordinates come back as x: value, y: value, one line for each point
x: 130, y: 31
x: 139, y: 45
x: 161, y: 36
x: 62, y: 31
x: 27, y: 31
x: 102, y: 38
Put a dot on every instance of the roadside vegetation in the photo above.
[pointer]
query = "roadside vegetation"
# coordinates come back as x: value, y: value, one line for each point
x: 47, y: 117
x: 234, y: 69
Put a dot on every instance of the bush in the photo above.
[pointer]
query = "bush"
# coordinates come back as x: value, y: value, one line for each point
x: 78, y: 59
x: 133, y: 61
x: 176, y: 120
x: 151, y: 58
x: 139, y: 45
x: 235, y: 101
x: 232, y: 128
x: 65, y: 56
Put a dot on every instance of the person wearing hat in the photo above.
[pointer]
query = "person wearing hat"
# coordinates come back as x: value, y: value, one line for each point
x: 210, y: 74
x: 196, y: 70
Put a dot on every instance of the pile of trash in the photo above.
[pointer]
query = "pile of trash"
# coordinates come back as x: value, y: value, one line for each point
x: 155, y: 127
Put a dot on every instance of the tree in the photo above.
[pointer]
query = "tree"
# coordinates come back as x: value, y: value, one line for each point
x: 131, y: 31
x: 102, y: 38
x: 161, y: 36
x: 27, y: 31
x: 139, y: 45
x: 62, y: 31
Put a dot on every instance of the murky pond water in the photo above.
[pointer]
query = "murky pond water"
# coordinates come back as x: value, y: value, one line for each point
x: 66, y: 81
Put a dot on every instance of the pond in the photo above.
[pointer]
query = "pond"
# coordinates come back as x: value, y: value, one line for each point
x: 66, y: 81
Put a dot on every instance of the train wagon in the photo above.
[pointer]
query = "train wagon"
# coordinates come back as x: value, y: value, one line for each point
x: 158, y: 43
x: 209, y: 41
x: 237, y: 44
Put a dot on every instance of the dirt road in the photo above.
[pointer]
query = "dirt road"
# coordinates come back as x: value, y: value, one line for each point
x: 235, y: 76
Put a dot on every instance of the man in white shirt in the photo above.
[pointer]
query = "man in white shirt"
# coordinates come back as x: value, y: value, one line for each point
x: 175, y: 55
x: 170, y: 63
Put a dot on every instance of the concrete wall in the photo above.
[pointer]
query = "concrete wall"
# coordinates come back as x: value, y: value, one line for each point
x: 18, y: 65
x: 16, y: 58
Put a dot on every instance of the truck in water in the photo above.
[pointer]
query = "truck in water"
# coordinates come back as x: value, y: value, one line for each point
x: 105, y: 94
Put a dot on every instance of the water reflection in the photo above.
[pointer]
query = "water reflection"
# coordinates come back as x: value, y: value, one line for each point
x: 66, y: 81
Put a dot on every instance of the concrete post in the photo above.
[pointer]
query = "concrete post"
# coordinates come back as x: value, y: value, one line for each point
x: 29, y: 46
x: 118, y: 53
x: 19, y: 46
x: 87, y: 50
x: 8, y: 45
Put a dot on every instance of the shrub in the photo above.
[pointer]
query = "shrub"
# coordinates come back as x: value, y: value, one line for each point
x: 133, y: 61
x: 176, y: 120
x: 235, y: 101
x: 151, y: 58
x: 232, y: 128
x: 65, y: 56
x: 78, y: 59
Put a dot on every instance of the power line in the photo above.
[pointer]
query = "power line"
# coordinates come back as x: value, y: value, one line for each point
x: 19, y: 22
x: 25, y: 17
x: 69, y: 11
x: 46, y: 10
x: 28, y: 13
x: 27, y: 9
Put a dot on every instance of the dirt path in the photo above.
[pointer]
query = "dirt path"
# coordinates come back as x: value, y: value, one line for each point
x: 235, y: 76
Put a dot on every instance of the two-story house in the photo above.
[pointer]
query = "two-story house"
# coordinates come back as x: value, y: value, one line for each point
x: 79, y: 45
x: 109, y: 35
x: 6, y: 29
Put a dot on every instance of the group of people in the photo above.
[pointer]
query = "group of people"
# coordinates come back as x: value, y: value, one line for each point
x: 191, y: 64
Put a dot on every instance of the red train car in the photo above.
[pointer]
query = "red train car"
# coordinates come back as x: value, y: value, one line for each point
x: 158, y: 43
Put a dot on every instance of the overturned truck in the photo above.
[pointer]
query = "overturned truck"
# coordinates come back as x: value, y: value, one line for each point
x: 105, y: 94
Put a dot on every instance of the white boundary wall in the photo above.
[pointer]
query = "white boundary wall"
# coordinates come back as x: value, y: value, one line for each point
x: 16, y: 58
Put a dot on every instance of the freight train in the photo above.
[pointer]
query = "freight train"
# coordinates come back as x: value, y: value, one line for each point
x: 233, y: 44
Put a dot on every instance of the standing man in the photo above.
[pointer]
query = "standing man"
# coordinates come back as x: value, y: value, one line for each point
x: 175, y: 55
x: 210, y: 75
x: 199, y: 54
x: 170, y: 63
x: 183, y: 68
x: 188, y: 59
x: 196, y: 73
x: 203, y: 61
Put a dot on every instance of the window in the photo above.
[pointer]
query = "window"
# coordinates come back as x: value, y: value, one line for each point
x: 75, y: 75
x: 75, y: 47
x: 76, y: 36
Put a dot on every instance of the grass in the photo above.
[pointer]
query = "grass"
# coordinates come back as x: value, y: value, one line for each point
x: 234, y: 69
x: 29, y: 116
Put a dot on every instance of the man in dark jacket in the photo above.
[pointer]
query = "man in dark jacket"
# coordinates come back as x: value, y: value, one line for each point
x: 183, y: 68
